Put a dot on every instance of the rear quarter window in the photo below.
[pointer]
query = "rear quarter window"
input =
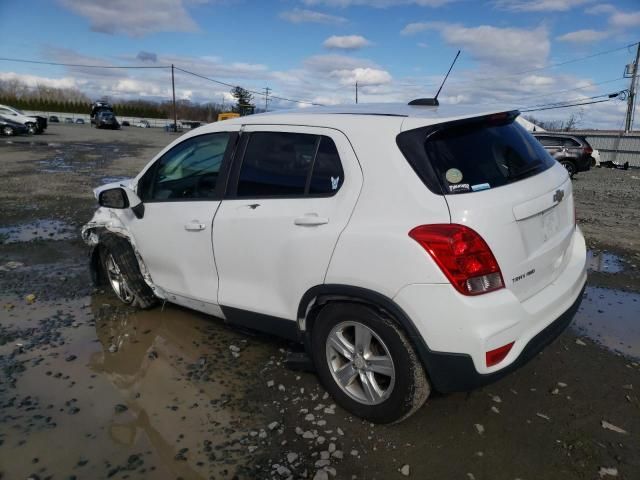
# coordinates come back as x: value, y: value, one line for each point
x: 473, y: 155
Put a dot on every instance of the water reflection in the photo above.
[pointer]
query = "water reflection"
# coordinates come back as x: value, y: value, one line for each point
x: 611, y: 318
x: 184, y: 391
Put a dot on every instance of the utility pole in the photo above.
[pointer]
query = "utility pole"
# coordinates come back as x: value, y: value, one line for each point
x: 175, y: 112
x: 266, y: 98
x: 356, y: 92
x: 631, y: 100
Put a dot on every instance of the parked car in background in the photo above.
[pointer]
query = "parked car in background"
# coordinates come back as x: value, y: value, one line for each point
x: 54, y: 119
x: 573, y: 152
x: 9, y: 127
x: 80, y: 121
x: 68, y: 120
x: 171, y: 127
x: 98, y: 107
x: 142, y: 124
x: 431, y: 270
x: 106, y: 119
x: 34, y: 123
x: 126, y: 123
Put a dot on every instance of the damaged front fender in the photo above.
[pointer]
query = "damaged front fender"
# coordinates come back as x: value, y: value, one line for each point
x: 105, y: 220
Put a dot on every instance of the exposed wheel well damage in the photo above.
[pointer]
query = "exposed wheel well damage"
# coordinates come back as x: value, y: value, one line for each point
x: 92, y: 234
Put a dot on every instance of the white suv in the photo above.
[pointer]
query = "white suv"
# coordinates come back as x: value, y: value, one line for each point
x: 409, y: 248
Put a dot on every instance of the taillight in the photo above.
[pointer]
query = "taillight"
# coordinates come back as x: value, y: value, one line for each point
x: 588, y: 150
x: 462, y: 255
x: 493, y: 357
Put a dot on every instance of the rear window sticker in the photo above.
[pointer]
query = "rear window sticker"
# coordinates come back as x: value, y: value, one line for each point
x: 453, y: 175
x: 480, y: 186
x: 334, y: 183
x: 461, y: 187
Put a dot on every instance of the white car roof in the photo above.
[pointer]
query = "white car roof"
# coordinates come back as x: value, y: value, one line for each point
x: 344, y: 114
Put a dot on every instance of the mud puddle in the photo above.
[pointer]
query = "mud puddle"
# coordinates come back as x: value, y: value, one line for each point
x: 155, y: 394
x: 602, y: 261
x: 38, y: 230
x: 611, y: 318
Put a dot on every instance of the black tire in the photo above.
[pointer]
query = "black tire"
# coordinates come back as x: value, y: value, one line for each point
x: 410, y: 387
x: 116, y: 249
x: 570, y: 167
x: 7, y: 130
x: 32, y: 128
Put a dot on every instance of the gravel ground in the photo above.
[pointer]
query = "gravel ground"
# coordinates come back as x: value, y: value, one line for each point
x: 170, y: 393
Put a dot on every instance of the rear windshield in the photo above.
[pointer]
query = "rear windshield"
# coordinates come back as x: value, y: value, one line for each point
x: 469, y: 156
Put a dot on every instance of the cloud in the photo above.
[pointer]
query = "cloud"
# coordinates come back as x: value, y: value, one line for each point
x: 34, y: 80
x: 364, y: 76
x: 378, y: 3
x: 416, y: 27
x: 346, y: 42
x: 618, y: 19
x: 583, y: 36
x: 540, y: 5
x: 330, y: 78
x: 147, y: 56
x: 134, y: 18
x: 500, y: 47
x: 299, y: 15
x: 625, y: 19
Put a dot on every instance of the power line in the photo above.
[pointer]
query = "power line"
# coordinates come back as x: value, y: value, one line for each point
x: 553, y: 65
x: 609, y: 95
x: 572, y: 89
x: 19, y: 60
x: 566, y: 106
x: 255, y: 92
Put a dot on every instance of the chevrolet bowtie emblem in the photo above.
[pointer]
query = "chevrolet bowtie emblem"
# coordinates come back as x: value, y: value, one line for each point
x: 558, y: 196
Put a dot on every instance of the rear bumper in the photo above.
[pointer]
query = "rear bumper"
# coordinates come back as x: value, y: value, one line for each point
x: 451, y: 372
x: 456, y: 331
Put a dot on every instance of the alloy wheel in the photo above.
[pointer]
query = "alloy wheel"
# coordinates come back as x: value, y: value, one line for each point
x: 360, y: 362
x: 117, y: 280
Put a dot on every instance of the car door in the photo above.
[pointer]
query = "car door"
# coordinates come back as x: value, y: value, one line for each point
x: 181, y: 193
x: 291, y: 193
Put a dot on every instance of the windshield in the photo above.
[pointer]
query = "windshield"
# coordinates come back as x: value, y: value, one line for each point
x: 469, y: 156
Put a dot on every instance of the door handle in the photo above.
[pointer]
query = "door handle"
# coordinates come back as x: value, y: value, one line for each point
x: 310, y: 220
x: 194, y: 226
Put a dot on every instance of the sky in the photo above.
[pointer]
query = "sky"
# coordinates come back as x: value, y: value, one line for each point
x: 316, y: 50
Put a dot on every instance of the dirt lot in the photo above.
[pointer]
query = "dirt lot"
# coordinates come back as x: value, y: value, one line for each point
x: 91, y: 389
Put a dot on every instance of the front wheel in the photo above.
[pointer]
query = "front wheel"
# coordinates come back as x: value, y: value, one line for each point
x: 367, y: 364
x: 121, y: 270
x: 31, y: 128
x: 569, y: 166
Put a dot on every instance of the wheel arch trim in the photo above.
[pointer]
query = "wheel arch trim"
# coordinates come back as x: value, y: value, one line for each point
x: 322, y: 294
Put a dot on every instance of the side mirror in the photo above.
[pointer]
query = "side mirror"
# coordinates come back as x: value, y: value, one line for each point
x: 121, y: 198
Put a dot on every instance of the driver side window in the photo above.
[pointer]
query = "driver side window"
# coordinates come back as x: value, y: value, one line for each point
x: 189, y: 171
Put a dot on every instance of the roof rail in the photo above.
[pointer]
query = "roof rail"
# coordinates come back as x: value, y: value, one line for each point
x: 425, y: 102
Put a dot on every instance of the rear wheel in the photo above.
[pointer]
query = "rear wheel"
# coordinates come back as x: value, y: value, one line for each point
x: 367, y: 364
x: 570, y: 166
x: 121, y: 270
x: 7, y: 130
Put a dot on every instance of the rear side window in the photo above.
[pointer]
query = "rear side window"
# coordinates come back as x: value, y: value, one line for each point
x: 475, y: 155
x: 327, y: 170
x: 549, y: 141
x: 282, y: 164
x: 570, y: 143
